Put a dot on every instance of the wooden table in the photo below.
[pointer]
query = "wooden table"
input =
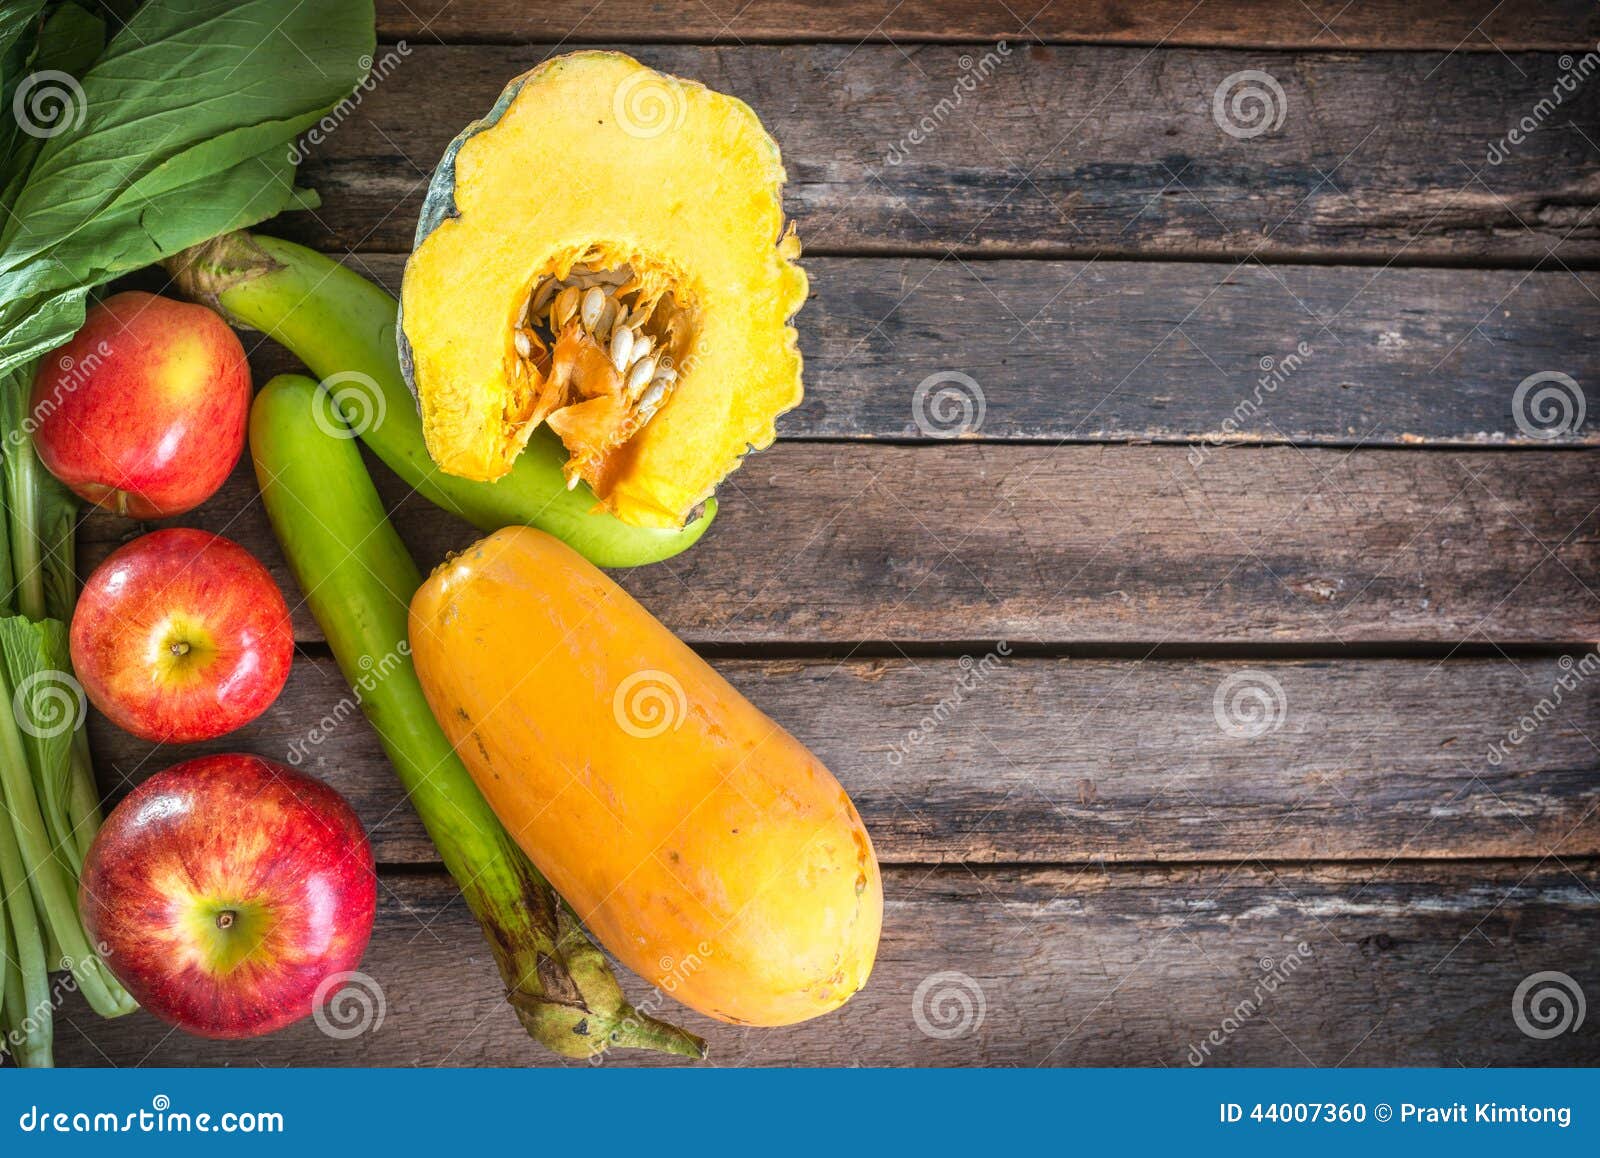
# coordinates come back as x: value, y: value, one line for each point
x: 1273, y: 567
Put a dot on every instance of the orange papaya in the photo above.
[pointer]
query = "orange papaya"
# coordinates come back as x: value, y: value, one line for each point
x: 699, y: 841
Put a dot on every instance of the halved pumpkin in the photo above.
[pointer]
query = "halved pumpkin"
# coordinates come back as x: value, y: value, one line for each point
x: 605, y: 253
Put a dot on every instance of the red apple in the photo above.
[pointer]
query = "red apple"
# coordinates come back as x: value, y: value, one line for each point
x: 227, y: 891
x: 144, y: 411
x: 181, y: 635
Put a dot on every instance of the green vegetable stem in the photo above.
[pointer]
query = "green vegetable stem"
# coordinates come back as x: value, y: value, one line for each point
x: 358, y: 580
x: 343, y: 328
x: 175, y: 130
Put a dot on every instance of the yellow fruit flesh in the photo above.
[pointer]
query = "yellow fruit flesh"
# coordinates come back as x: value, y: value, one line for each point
x: 600, y: 161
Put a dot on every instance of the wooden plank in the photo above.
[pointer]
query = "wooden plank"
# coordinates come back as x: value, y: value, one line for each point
x: 1010, y: 760
x: 1392, y: 965
x: 1130, y: 351
x: 1075, y: 544
x: 1054, y: 151
x: 1465, y: 25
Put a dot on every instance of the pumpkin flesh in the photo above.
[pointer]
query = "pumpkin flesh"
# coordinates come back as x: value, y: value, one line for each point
x: 593, y: 166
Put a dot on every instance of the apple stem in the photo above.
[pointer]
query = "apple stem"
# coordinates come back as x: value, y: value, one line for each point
x: 226, y: 918
x: 180, y: 648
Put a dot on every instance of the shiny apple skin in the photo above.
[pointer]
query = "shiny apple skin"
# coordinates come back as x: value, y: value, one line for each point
x: 144, y: 411
x: 181, y: 635
x: 221, y: 831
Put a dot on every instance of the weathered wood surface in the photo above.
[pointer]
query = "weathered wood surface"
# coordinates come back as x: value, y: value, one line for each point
x: 1461, y: 25
x: 1011, y: 760
x: 1115, y: 351
x: 841, y: 542
x: 1105, y: 151
x: 1402, y: 964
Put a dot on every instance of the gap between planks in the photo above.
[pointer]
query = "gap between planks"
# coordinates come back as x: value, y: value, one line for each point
x: 1001, y: 760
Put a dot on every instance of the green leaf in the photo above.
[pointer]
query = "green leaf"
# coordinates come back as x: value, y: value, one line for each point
x: 183, y: 130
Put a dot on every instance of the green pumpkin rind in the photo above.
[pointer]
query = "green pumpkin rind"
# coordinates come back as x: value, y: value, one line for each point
x: 439, y: 202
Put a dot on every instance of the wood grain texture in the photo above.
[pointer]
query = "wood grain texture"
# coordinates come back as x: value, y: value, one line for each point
x: 1401, y: 965
x: 838, y: 543
x: 1011, y: 760
x: 1463, y: 25
x: 1166, y: 352
x: 1089, y: 150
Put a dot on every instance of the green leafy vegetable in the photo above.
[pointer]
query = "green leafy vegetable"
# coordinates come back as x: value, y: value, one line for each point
x: 120, y: 155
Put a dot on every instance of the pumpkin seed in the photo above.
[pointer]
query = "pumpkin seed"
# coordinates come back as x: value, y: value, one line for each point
x: 643, y: 371
x: 566, y: 305
x: 594, y: 301
x: 621, y: 347
x: 541, y: 297
x: 653, y: 396
x: 524, y: 344
x: 608, y: 318
x: 641, y: 349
